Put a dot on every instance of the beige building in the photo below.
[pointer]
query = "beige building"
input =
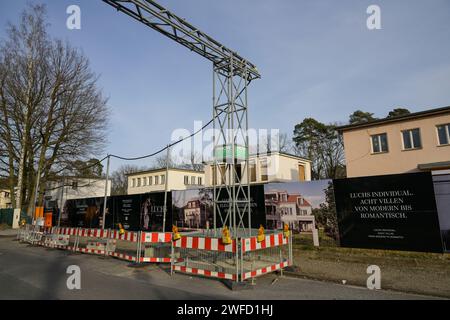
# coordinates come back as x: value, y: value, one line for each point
x: 415, y: 142
x: 264, y: 168
x: 155, y: 180
x: 68, y: 188
x: 5, y: 199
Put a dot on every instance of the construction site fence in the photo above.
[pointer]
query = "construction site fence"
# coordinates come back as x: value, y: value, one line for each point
x: 194, y: 253
x: 138, y: 247
x: 240, y: 260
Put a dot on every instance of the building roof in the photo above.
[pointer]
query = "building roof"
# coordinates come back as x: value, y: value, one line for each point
x: 269, y: 153
x: 59, y: 178
x: 281, y: 153
x: 294, y: 197
x: 406, y: 117
x: 163, y: 169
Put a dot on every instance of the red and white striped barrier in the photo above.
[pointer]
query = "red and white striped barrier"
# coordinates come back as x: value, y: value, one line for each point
x: 94, y: 233
x: 265, y: 270
x: 206, y: 273
x: 67, y: 231
x: 123, y: 256
x: 201, y: 243
x: 157, y: 260
x: 127, y: 236
x: 272, y: 240
x: 156, y: 237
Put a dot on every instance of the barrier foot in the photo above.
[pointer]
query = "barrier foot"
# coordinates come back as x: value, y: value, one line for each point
x: 237, y: 286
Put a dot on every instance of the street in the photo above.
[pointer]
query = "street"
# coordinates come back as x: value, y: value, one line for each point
x: 30, y: 272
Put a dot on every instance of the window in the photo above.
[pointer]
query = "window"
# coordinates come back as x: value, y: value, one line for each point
x: 411, y: 139
x: 156, y: 179
x: 264, y: 175
x: 199, y: 181
x: 139, y: 182
x: 379, y: 143
x: 144, y: 181
x: 163, y: 179
x: 74, y: 185
x: 150, y: 180
x: 133, y: 183
x: 186, y: 180
x: 192, y: 180
x: 444, y: 134
x: 252, y: 166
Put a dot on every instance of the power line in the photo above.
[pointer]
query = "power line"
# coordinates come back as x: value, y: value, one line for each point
x: 168, y: 146
x: 140, y: 157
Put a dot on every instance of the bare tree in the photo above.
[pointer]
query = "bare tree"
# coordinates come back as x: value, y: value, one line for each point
x: 53, y: 114
x: 119, y: 178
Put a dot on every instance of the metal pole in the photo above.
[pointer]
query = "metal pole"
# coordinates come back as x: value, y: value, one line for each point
x: 166, y: 187
x: 62, y: 201
x: 36, y: 192
x: 106, y: 194
x: 247, y: 157
x: 214, y: 167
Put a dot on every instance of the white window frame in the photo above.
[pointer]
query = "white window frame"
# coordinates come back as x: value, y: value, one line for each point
x: 447, y: 130
x: 410, y: 131
x: 264, y: 163
x: 378, y: 136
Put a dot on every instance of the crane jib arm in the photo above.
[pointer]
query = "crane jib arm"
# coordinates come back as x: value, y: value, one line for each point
x: 162, y: 20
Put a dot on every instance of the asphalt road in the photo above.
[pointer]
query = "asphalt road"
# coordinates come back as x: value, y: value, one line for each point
x: 29, y: 272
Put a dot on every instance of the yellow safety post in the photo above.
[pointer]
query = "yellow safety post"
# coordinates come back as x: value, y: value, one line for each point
x: 261, y: 237
x: 121, y: 229
x: 226, y: 239
x: 175, y: 234
x: 286, y: 231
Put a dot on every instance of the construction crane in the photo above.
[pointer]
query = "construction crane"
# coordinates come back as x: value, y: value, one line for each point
x: 231, y: 76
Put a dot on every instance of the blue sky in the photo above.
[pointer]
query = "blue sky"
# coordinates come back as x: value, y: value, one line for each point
x: 317, y: 59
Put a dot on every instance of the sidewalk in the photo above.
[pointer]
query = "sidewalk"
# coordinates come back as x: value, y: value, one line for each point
x: 8, y: 232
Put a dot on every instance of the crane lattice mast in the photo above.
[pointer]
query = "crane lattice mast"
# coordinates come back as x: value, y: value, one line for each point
x: 231, y: 76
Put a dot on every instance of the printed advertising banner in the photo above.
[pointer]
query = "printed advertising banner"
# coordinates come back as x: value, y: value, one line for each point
x: 135, y: 212
x: 193, y: 208
x: 388, y: 212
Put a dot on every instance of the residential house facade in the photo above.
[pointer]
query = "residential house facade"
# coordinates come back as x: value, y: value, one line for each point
x: 411, y: 143
x: 263, y: 168
x: 292, y: 209
x: 5, y: 199
x: 155, y: 180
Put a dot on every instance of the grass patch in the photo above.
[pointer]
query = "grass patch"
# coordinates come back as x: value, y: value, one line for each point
x: 304, y: 242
